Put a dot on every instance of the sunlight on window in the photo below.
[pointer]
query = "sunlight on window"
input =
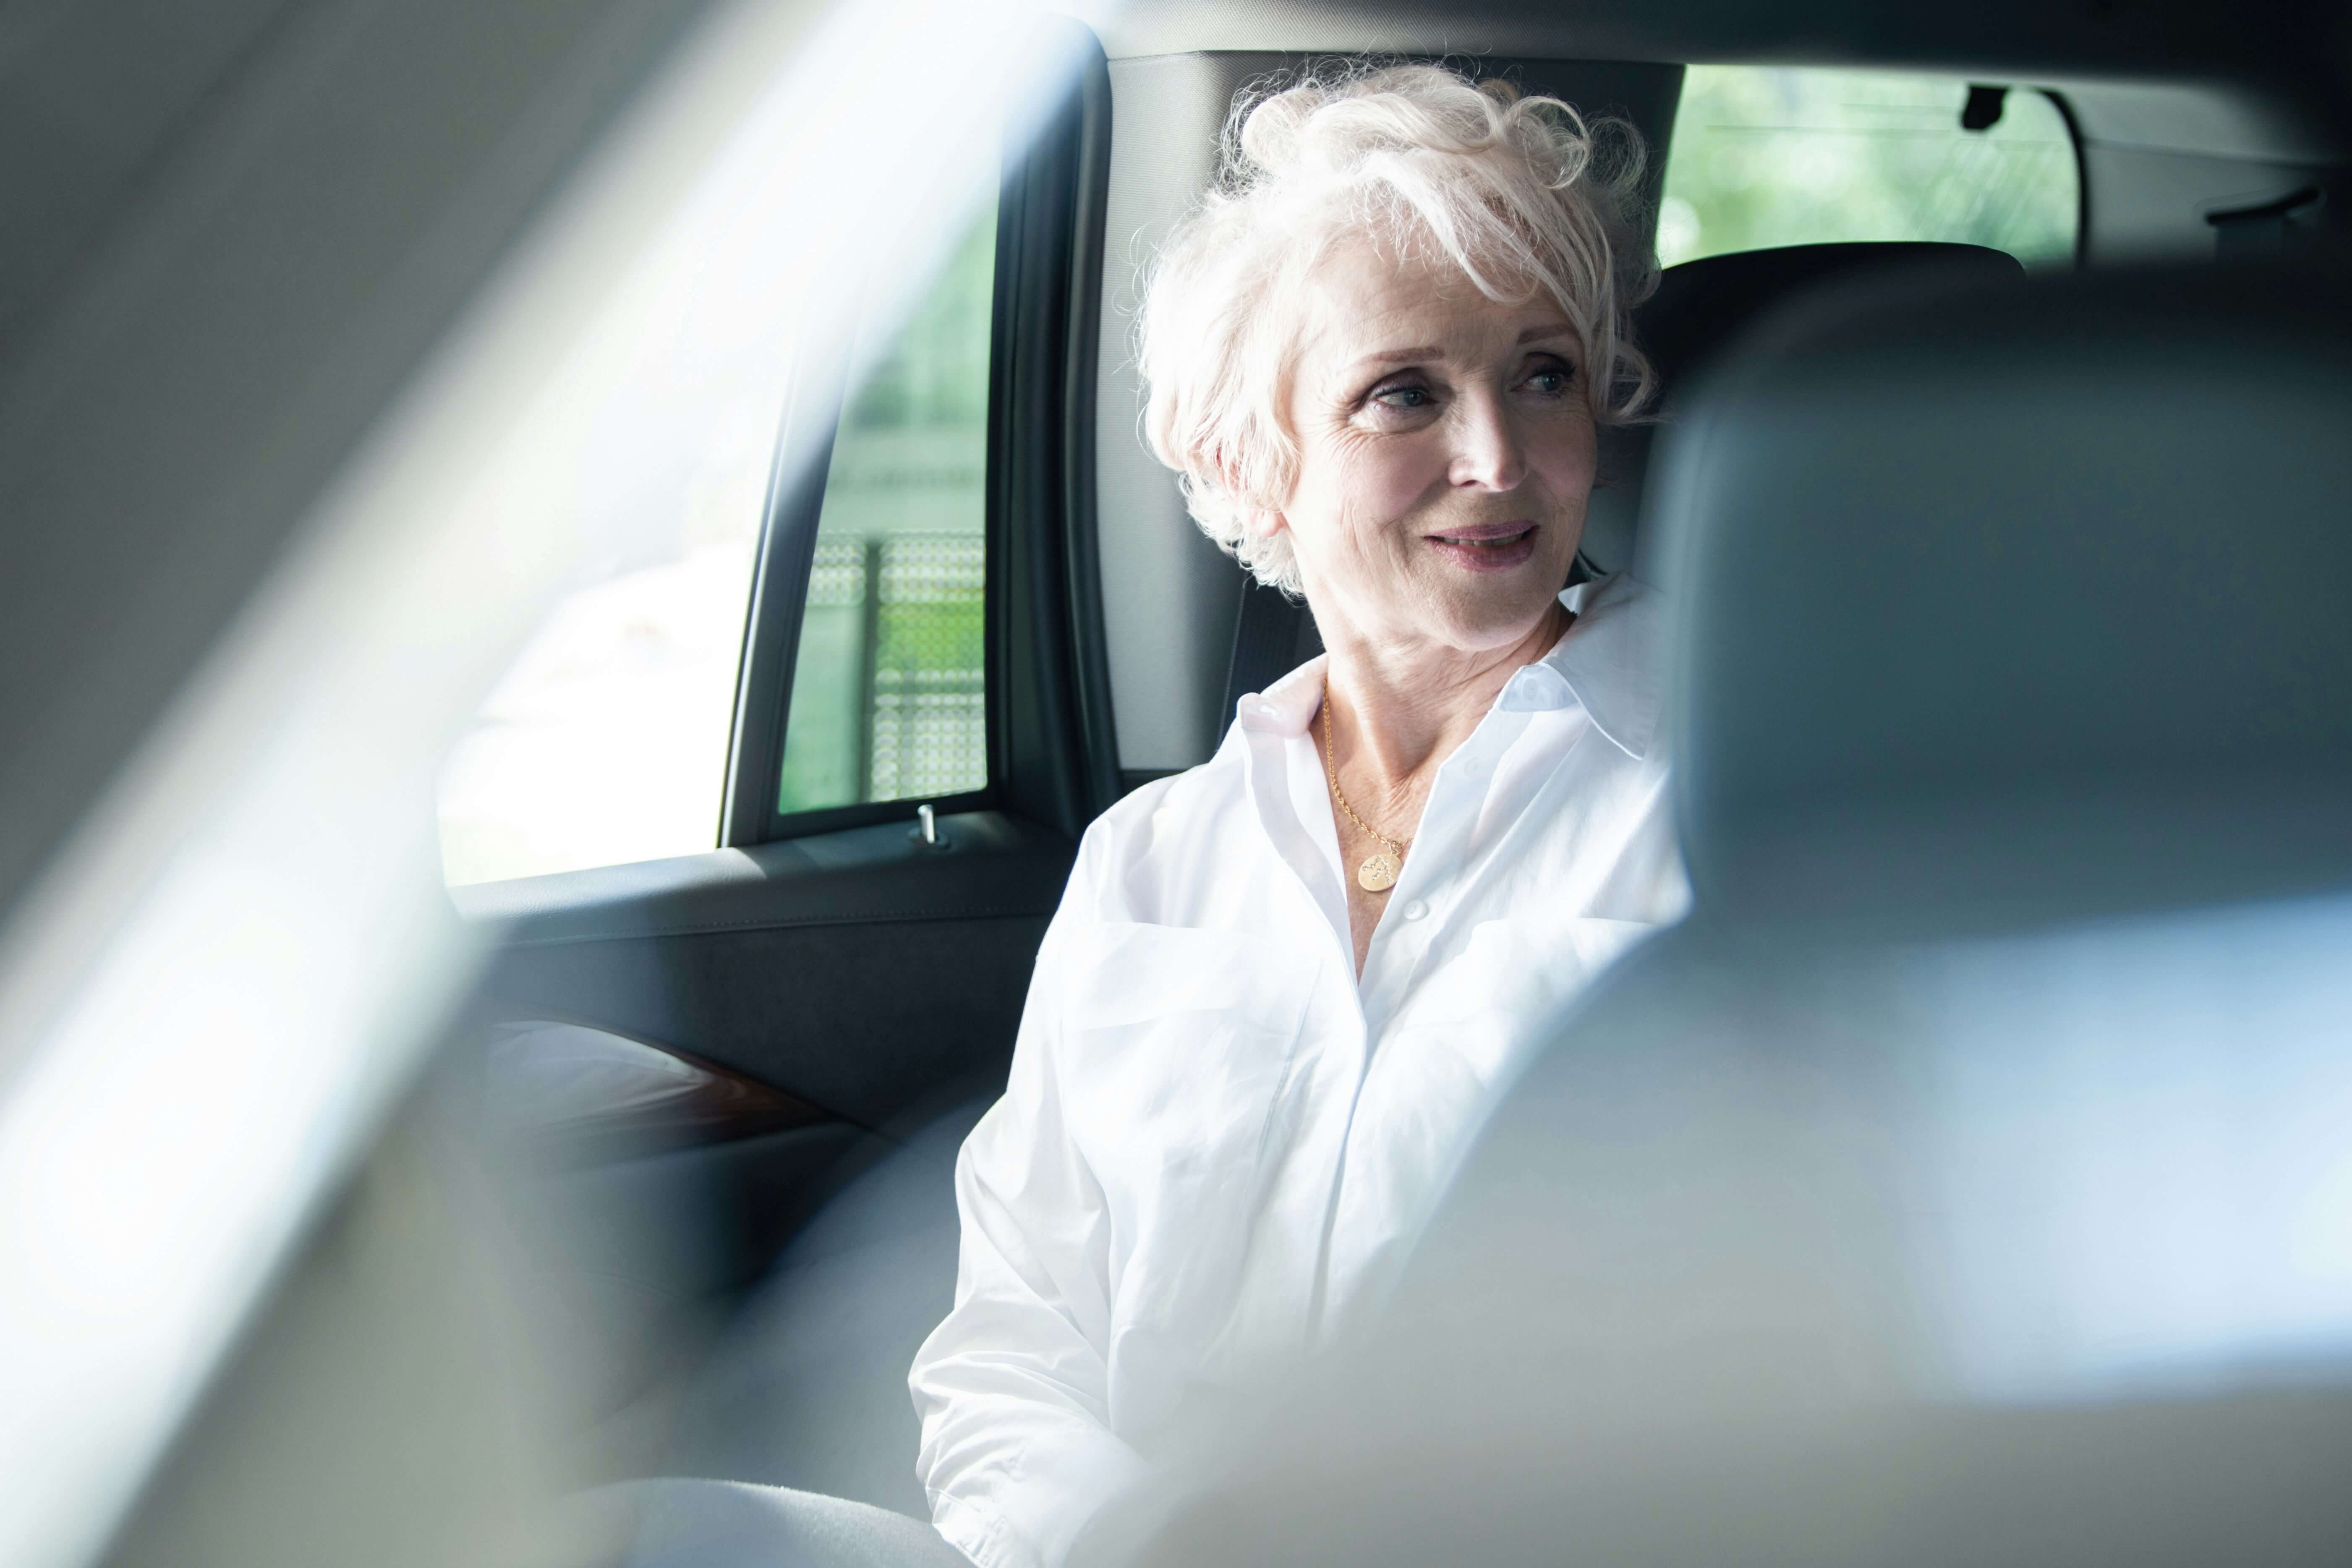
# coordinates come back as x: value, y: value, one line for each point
x: 605, y: 741
x: 1771, y: 156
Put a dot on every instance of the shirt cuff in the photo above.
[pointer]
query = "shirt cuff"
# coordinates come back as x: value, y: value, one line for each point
x: 1059, y: 1481
x: 978, y: 1534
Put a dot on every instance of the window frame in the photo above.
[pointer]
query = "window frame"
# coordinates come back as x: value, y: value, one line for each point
x: 1046, y: 670
x: 2081, y: 173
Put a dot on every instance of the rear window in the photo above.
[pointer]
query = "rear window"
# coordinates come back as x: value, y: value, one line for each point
x: 1767, y: 156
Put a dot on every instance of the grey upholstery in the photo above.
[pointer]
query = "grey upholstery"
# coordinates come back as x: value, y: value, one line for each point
x: 2020, y: 601
x: 729, y: 1524
x: 1943, y: 1190
x: 809, y: 1389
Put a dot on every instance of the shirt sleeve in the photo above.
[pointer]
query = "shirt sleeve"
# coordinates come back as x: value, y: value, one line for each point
x: 1652, y: 868
x: 1017, y: 1452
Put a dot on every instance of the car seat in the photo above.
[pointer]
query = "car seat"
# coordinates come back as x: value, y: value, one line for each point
x: 809, y: 1387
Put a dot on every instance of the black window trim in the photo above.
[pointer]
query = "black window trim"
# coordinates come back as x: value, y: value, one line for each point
x: 1051, y: 744
x: 2082, y: 173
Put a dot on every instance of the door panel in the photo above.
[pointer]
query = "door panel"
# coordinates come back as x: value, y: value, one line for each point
x: 860, y: 981
x: 861, y: 972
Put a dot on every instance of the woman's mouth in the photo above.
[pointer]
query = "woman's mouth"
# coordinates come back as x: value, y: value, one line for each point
x: 1487, y: 546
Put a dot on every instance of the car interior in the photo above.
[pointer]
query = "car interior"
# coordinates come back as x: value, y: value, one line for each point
x: 707, y: 1105
x: 1985, y: 956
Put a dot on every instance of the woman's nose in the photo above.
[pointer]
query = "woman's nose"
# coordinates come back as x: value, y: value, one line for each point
x: 1488, y: 453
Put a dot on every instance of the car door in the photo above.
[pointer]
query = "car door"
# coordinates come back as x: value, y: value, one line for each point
x: 702, y: 1046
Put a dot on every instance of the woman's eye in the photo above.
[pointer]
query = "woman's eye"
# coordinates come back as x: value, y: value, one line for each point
x: 1404, y: 396
x: 1551, y: 382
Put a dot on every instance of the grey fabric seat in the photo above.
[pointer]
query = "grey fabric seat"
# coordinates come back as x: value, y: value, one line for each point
x: 684, y: 1523
x: 1944, y: 1190
x: 809, y: 1388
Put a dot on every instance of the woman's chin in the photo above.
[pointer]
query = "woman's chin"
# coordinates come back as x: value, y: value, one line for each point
x: 1488, y: 622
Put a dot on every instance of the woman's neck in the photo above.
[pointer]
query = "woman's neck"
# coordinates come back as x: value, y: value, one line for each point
x: 1402, y: 710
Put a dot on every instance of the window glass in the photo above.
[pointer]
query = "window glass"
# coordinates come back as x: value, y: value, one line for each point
x: 606, y: 740
x: 888, y: 698
x: 1773, y: 156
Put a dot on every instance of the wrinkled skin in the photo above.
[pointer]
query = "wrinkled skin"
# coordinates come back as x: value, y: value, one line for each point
x: 1446, y: 455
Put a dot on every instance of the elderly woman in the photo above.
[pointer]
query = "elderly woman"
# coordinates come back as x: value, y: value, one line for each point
x: 1284, y: 988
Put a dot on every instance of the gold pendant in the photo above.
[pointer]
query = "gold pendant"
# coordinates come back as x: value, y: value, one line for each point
x: 1379, y: 874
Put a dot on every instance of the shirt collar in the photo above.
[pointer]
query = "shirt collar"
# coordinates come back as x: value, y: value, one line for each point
x: 1608, y: 661
x: 1286, y: 707
x: 1604, y: 662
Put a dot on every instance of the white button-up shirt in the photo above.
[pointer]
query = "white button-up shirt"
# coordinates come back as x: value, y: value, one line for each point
x: 1217, y: 1143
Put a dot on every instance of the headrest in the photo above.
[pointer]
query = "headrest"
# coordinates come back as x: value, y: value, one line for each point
x: 2019, y: 601
x: 1700, y: 309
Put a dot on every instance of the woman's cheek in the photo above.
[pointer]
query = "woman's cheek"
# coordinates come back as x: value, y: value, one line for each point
x: 1392, y: 477
x: 1569, y: 457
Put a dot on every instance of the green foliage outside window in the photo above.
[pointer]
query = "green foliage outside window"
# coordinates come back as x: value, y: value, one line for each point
x: 1774, y: 156
x: 888, y: 698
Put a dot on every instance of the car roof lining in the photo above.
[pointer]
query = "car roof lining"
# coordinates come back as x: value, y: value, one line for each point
x: 2211, y: 79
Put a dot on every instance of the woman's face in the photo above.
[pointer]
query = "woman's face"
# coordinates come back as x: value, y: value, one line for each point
x: 1445, y: 455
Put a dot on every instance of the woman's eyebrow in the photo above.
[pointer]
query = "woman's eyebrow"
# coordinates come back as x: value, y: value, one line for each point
x: 1431, y: 351
x: 1401, y: 356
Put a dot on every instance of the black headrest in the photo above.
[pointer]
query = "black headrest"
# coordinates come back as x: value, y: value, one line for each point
x: 2021, y: 601
x: 1701, y: 308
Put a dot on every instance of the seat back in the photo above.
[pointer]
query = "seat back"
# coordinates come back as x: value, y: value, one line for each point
x: 2019, y: 602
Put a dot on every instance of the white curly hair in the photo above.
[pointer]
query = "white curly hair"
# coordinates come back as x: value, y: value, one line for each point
x: 1521, y: 194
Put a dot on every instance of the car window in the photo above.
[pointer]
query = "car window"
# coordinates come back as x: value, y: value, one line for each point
x: 607, y: 739
x: 888, y: 697
x: 1769, y: 156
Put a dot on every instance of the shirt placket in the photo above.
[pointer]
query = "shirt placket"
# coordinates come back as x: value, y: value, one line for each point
x: 1403, y: 947
x: 1428, y: 896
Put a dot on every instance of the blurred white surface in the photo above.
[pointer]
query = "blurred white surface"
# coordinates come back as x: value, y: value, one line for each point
x: 2142, y: 1158
x: 207, y: 1006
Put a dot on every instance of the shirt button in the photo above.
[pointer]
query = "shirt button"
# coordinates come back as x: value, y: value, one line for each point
x: 1475, y: 768
x: 1415, y: 910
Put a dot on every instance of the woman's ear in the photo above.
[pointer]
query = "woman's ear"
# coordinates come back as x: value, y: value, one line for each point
x: 1257, y: 522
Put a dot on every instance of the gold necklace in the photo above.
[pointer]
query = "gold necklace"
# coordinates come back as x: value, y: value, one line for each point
x: 1378, y: 874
